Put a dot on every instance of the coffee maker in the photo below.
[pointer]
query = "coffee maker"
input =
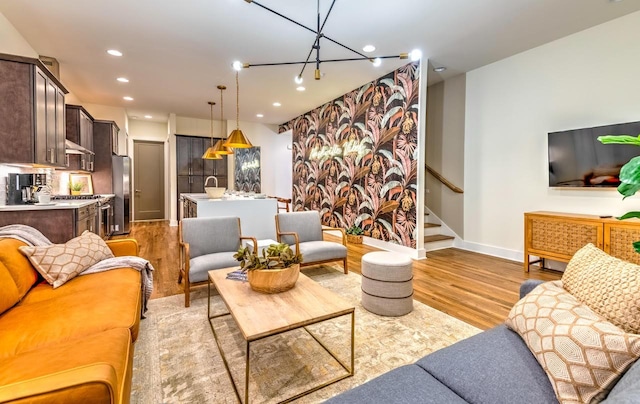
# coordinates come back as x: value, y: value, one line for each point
x: 22, y: 188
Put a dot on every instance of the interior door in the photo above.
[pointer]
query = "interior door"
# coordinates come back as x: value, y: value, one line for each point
x: 148, y: 174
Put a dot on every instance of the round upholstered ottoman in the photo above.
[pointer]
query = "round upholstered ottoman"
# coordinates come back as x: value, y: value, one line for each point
x: 387, y: 283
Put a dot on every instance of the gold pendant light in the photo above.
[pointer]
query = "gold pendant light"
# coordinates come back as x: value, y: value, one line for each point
x: 219, y: 147
x: 237, y: 139
x: 210, y: 153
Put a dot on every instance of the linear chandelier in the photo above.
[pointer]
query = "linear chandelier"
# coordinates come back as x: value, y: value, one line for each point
x: 375, y: 60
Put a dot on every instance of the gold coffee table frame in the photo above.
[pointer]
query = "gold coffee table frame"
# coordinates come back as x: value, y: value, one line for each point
x: 306, y: 304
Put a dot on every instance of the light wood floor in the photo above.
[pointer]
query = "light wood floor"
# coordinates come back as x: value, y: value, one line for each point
x: 475, y: 288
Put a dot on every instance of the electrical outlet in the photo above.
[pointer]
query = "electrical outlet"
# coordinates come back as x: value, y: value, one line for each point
x: 117, y: 227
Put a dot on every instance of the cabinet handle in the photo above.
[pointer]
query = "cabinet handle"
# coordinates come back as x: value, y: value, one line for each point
x: 82, y: 163
x: 91, y: 166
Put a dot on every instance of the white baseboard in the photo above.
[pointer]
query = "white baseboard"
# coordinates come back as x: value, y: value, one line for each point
x: 512, y: 255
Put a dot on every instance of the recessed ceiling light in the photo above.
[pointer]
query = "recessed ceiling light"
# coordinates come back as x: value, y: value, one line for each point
x: 276, y: 104
x: 300, y: 88
x: 259, y: 115
x: 148, y: 116
x: 127, y: 98
x: 439, y: 69
x: 114, y: 52
x: 369, y: 48
x: 123, y: 79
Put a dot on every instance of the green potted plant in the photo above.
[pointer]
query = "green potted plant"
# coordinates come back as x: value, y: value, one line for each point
x: 354, y: 234
x: 275, y: 270
x: 76, y: 188
x: 629, y: 174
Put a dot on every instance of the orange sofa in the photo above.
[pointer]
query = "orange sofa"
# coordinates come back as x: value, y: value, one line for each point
x: 73, y: 344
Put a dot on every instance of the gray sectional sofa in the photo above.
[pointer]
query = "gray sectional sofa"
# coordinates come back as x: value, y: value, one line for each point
x: 492, y: 367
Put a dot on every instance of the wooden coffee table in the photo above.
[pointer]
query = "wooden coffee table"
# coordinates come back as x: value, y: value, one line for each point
x: 268, y: 315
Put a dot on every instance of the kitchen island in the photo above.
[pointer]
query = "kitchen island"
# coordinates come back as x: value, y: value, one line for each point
x: 257, y: 216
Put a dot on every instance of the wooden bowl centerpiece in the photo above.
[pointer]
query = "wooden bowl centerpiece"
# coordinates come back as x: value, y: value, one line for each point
x: 275, y: 271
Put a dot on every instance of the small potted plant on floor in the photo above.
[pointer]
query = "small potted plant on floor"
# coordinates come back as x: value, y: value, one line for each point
x: 354, y: 234
x: 275, y: 270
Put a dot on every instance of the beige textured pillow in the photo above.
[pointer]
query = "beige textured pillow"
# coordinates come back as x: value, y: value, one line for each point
x: 582, y: 353
x: 608, y: 285
x: 58, y: 263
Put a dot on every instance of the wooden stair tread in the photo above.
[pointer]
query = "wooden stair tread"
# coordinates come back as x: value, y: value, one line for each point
x: 427, y: 225
x: 437, y: 237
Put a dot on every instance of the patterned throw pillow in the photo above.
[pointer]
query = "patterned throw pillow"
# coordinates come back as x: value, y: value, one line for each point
x: 58, y: 263
x: 582, y: 353
x: 608, y: 285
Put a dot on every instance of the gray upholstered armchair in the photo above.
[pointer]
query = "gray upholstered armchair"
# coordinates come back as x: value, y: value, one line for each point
x: 304, y: 230
x: 207, y: 243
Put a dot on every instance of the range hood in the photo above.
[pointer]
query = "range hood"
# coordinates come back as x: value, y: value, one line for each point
x: 74, y: 148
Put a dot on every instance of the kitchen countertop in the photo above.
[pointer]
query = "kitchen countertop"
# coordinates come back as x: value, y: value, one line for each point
x: 62, y: 204
x: 204, y: 197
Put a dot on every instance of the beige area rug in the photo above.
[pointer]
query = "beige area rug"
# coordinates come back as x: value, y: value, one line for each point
x: 177, y: 360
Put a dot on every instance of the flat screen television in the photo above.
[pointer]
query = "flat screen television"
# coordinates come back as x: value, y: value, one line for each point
x: 578, y: 159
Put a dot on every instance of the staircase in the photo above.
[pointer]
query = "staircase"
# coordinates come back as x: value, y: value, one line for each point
x: 434, y: 237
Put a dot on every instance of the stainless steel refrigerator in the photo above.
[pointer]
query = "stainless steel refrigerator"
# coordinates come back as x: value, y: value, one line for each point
x: 121, y: 181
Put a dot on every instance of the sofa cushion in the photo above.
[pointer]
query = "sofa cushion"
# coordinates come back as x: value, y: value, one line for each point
x: 58, y: 263
x: 94, y: 305
x: 23, y: 273
x: 407, y: 384
x: 199, y: 266
x: 627, y: 390
x: 608, y: 285
x: 314, y: 251
x: 87, y: 370
x: 494, y: 366
x: 583, y: 353
x: 8, y: 290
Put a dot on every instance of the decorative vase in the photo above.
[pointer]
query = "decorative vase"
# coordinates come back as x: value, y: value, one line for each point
x: 354, y: 239
x: 273, y: 280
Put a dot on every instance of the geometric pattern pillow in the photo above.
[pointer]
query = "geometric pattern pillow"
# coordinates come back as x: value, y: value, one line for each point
x: 58, y: 263
x: 608, y: 285
x: 582, y: 353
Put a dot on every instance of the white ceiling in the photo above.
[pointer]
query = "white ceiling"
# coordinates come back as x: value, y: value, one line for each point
x: 177, y: 52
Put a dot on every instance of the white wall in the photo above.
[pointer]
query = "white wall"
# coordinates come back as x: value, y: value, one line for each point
x: 445, y: 150
x: 587, y: 79
x: 11, y: 42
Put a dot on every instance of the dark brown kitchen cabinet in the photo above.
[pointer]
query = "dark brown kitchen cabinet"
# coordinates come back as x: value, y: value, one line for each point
x: 192, y: 170
x: 103, y: 148
x: 58, y: 225
x: 34, y: 99
x: 79, y: 130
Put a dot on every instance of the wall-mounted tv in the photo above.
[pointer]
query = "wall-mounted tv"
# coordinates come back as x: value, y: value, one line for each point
x: 578, y: 159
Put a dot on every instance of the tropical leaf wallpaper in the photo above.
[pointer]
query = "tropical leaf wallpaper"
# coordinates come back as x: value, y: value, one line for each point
x: 247, y: 169
x: 355, y: 158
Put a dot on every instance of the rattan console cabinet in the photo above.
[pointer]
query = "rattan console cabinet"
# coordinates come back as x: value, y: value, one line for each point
x: 557, y: 236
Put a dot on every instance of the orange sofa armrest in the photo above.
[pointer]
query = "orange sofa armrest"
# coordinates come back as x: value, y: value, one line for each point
x: 123, y: 247
x: 341, y: 230
x: 95, y: 383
